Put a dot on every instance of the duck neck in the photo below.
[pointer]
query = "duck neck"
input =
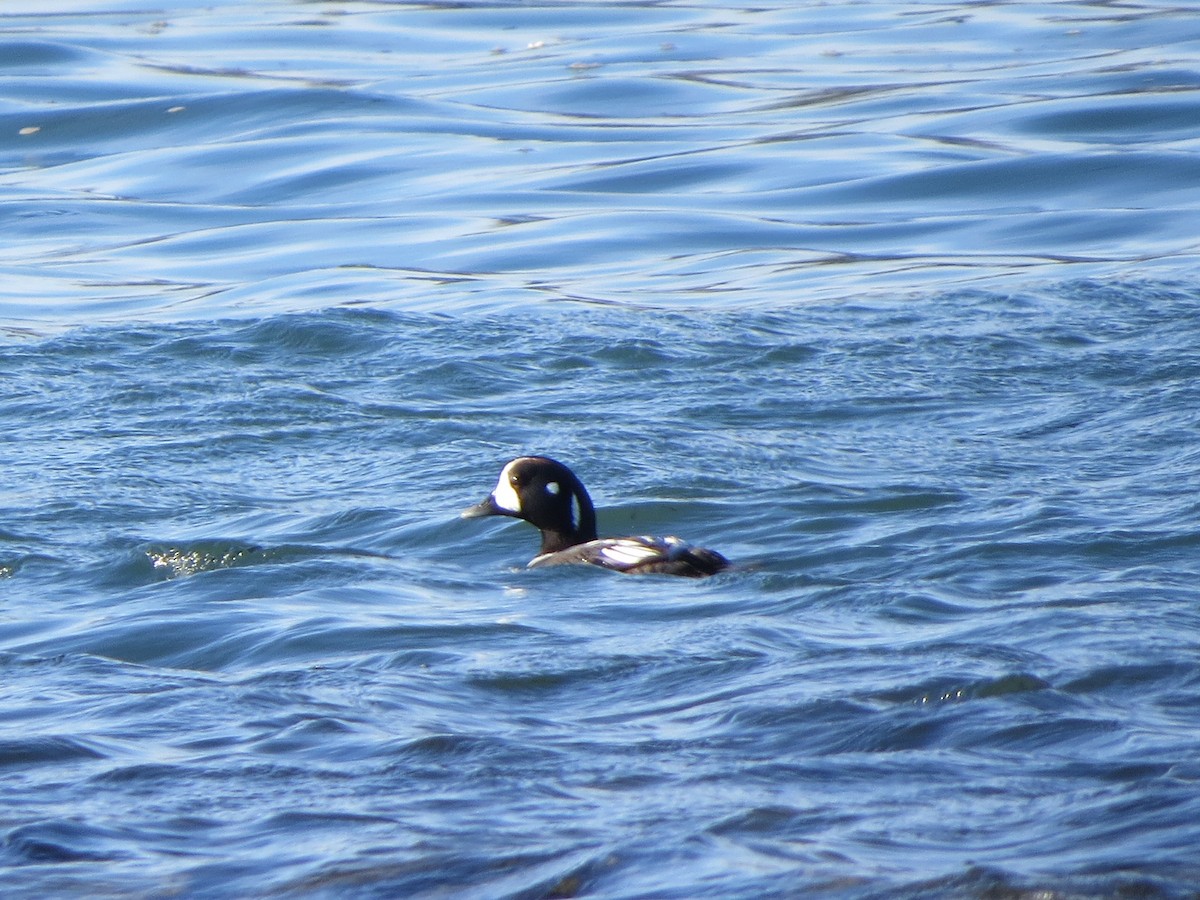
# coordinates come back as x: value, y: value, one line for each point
x: 581, y: 528
x: 553, y: 541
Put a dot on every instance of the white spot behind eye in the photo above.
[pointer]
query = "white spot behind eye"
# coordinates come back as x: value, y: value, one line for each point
x: 552, y: 488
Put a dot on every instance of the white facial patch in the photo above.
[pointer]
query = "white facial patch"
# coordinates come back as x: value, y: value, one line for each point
x: 506, y: 498
x: 553, y: 488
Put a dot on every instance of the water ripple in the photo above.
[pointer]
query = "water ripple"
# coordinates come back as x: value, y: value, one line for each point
x: 772, y: 153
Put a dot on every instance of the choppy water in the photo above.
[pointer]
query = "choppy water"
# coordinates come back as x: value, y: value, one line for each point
x: 895, y: 304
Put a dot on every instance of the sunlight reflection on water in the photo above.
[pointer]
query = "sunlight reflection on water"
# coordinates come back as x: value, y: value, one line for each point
x: 668, y: 155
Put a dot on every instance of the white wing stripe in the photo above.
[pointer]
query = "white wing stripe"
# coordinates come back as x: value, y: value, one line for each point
x: 629, y: 553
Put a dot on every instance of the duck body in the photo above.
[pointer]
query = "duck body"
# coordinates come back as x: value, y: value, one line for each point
x: 548, y: 495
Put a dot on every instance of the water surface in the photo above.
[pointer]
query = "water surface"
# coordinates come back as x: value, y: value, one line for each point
x: 892, y: 303
x: 201, y: 160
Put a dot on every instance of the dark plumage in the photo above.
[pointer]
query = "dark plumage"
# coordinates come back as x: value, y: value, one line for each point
x: 548, y: 495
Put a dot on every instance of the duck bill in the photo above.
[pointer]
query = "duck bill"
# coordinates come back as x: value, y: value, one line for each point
x: 486, y: 507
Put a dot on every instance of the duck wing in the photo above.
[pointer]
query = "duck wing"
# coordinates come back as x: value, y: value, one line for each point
x: 639, y: 555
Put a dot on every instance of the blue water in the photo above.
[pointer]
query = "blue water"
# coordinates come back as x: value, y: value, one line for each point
x: 896, y: 304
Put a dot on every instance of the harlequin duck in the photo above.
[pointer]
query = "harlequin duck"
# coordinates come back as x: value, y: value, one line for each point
x: 548, y: 495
